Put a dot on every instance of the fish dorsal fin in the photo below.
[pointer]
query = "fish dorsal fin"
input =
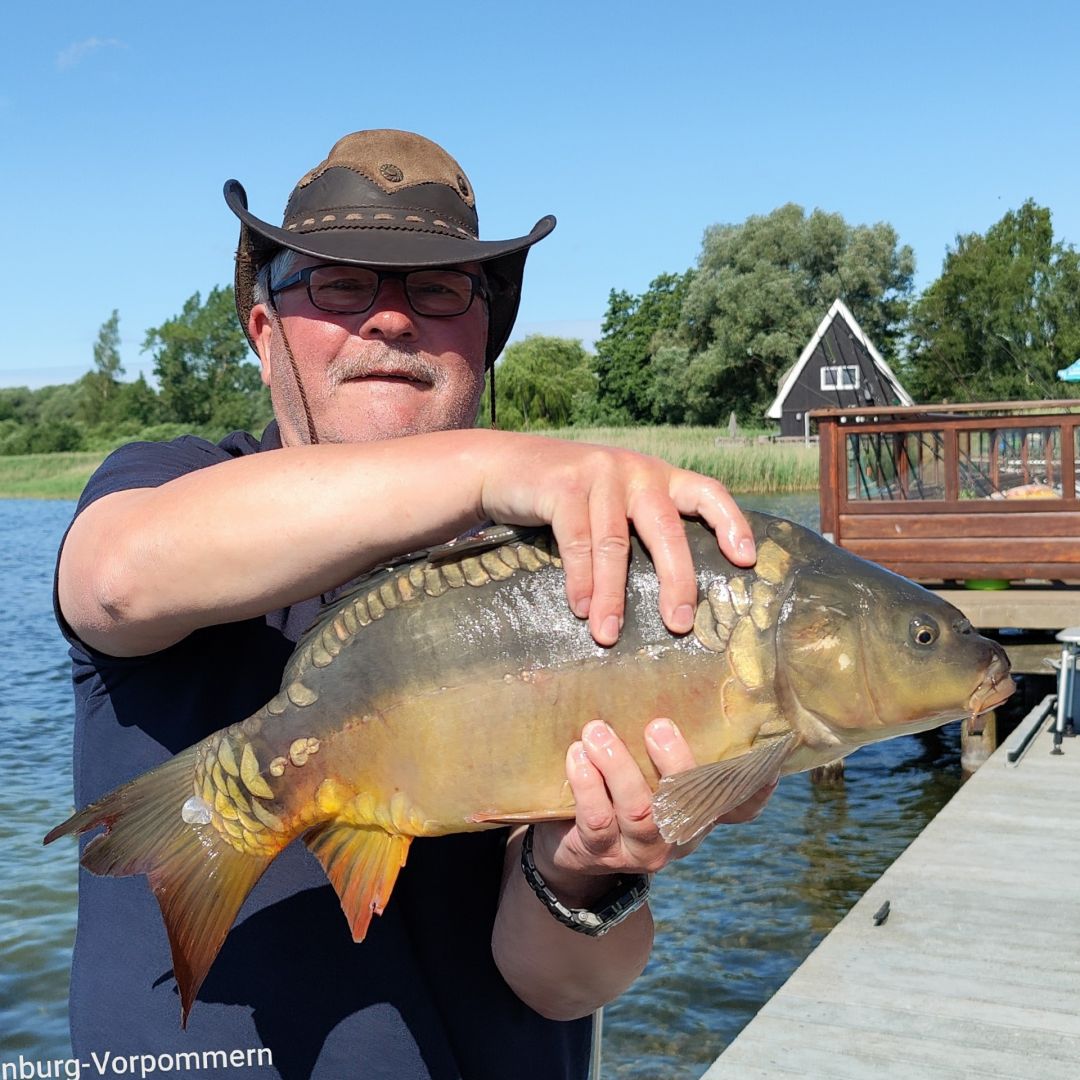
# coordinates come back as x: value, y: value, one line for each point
x: 486, y: 539
x: 687, y: 803
x: 350, y: 610
x: 362, y: 863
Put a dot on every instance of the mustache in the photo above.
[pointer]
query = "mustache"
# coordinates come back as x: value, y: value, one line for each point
x: 403, y: 360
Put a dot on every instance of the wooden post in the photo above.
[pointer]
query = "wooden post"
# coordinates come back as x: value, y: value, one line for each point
x: 952, y: 465
x: 830, y: 775
x: 833, y: 476
x: 1068, y: 461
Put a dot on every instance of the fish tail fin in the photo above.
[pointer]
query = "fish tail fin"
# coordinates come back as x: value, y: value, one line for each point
x: 199, y: 878
x: 362, y: 863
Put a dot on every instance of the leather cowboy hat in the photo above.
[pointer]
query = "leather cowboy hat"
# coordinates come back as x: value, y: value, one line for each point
x: 390, y: 200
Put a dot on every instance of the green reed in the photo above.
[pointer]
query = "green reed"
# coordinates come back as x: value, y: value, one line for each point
x: 764, y: 467
x: 47, y: 476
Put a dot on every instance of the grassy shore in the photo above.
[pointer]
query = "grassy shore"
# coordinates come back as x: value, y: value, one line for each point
x: 760, y: 467
x: 47, y: 476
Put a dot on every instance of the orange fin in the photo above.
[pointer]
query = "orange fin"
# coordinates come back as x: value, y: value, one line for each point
x: 199, y: 879
x: 362, y: 863
x: 494, y: 817
x: 689, y: 802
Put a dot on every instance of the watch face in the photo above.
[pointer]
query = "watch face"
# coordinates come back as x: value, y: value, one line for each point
x: 629, y: 894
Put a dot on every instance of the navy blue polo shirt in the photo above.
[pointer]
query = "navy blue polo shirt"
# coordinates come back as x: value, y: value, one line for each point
x: 419, y: 999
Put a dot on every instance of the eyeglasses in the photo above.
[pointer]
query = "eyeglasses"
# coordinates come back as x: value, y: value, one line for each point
x: 351, y: 290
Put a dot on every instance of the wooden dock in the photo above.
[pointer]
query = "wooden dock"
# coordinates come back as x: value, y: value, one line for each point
x: 976, y: 970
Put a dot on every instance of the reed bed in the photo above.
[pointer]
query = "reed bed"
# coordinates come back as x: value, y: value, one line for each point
x: 763, y: 467
x: 766, y: 468
x: 47, y: 476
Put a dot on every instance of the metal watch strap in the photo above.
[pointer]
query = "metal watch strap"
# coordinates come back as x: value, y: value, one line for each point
x: 628, y: 894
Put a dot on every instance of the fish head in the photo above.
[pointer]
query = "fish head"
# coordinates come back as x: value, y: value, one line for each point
x: 864, y: 654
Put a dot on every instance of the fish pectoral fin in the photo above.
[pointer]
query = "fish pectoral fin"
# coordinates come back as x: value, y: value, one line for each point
x: 362, y: 863
x: 687, y: 803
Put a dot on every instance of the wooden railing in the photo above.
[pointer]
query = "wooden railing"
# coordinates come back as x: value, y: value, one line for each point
x: 955, y: 492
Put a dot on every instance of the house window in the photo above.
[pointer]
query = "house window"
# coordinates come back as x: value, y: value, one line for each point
x: 840, y: 378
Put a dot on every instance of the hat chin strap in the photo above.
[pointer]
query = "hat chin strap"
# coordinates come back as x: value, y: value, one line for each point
x: 313, y: 436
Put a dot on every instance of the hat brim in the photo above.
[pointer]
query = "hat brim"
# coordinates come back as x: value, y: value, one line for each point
x: 386, y: 248
x: 380, y: 246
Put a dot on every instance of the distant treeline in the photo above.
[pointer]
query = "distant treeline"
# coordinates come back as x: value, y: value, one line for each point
x: 695, y: 347
x: 206, y: 384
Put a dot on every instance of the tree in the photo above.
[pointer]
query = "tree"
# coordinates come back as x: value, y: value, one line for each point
x: 97, y: 388
x: 1003, y: 316
x: 762, y: 287
x: 669, y: 365
x: 633, y: 328
x: 201, y: 362
x: 107, y: 348
x: 539, y: 382
x: 137, y: 402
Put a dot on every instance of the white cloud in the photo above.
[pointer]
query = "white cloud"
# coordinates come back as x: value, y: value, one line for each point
x: 74, y: 53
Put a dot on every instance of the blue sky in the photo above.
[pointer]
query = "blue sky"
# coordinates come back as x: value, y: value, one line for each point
x: 636, y: 125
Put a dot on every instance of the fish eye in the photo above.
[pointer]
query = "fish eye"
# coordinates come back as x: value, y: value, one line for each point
x: 924, y: 631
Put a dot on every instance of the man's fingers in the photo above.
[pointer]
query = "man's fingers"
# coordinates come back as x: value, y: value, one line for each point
x: 593, y: 535
x: 595, y: 816
x: 610, y: 560
x: 630, y: 793
x: 570, y: 525
x: 708, y: 499
x: 668, y: 749
x: 657, y: 521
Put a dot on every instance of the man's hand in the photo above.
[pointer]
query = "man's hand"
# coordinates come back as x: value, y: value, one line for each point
x: 591, y: 495
x: 614, y: 830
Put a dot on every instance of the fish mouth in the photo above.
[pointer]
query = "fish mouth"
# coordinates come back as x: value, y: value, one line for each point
x: 996, y: 686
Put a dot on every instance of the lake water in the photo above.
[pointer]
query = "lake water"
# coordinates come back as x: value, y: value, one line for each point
x: 733, y: 920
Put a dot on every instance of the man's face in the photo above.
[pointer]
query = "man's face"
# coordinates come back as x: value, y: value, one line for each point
x: 380, y: 374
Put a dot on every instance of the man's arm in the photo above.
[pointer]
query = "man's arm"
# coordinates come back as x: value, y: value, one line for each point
x: 141, y: 569
x: 559, y: 972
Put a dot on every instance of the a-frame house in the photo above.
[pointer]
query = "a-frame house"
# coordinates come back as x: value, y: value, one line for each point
x: 839, y: 368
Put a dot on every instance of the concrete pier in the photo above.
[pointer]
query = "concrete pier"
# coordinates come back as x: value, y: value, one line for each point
x: 975, y: 971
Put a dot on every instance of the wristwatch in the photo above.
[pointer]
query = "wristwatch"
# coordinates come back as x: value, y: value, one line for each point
x: 629, y: 893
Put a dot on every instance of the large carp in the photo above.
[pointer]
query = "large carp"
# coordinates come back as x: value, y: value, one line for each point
x: 441, y: 695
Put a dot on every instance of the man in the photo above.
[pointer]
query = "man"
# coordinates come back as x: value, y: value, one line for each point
x: 191, y: 569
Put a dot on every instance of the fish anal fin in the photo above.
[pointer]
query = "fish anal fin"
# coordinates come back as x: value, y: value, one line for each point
x: 687, y: 803
x: 362, y: 863
x: 496, y: 817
